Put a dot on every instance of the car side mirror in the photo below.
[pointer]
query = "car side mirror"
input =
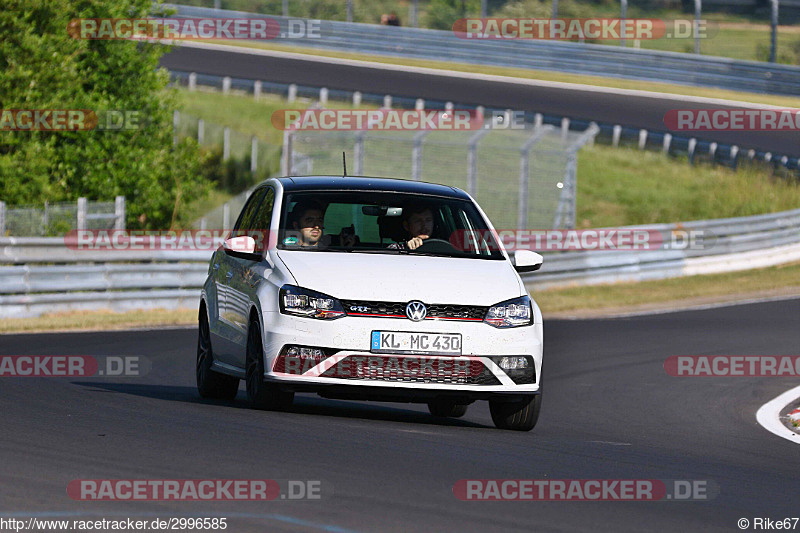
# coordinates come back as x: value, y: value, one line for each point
x: 527, y: 261
x: 243, y: 247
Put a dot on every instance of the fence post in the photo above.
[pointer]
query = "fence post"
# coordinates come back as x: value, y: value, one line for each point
x: 419, y: 105
x: 226, y: 143
x: 616, y: 135
x: 564, y: 129
x: 524, y: 175
x: 286, y: 159
x: 472, y: 162
x: 192, y: 81
x: 253, y: 154
x: 697, y: 9
x: 257, y: 90
x: 538, y: 120
x: 81, y: 213
x: 201, y: 131
x: 712, y: 150
x: 591, y: 139
x: 692, y: 147
x: 623, y: 8
x: 768, y: 157
x: 119, y: 212
x: 176, y: 120
x: 358, y: 169
x: 565, y: 212
x: 292, y: 96
x: 734, y: 156
x: 387, y: 101
x: 416, y: 156
x: 357, y: 99
x: 226, y: 216
x: 226, y: 85
x: 642, y: 139
x: 667, y: 142
x: 323, y: 96
x: 2, y: 219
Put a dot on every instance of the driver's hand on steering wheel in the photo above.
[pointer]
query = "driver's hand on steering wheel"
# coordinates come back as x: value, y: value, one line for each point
x: 416, y: 242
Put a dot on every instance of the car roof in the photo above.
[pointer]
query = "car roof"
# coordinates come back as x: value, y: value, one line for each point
x: 366, y: 183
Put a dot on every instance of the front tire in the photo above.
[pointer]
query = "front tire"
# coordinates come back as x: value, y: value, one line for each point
x: 447, y: 408
x: 211, y: 384
x: 261, y: 395
x: 520, y: 415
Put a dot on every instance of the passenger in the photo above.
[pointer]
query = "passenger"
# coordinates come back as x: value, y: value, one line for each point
x: 418, y: 222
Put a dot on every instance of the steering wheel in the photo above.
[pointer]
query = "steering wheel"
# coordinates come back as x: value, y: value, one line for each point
x: 436, y: 246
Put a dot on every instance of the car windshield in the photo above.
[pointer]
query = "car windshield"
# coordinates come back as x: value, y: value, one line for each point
x: 387, y: 223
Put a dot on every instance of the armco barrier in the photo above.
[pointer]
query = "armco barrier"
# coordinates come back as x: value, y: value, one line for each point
x: 42, y: 275
x: 577, y: 58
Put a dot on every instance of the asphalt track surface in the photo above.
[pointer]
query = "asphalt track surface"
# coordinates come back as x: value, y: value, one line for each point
x: 610, y: 412
x: 627, y: 110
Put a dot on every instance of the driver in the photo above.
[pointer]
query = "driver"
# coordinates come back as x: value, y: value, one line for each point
x: 418, y: 222
x: 308, y: 221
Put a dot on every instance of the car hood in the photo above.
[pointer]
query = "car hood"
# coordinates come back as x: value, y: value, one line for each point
x: 401, y: 278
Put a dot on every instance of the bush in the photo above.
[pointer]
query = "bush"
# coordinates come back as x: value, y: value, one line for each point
x: 44, y: 68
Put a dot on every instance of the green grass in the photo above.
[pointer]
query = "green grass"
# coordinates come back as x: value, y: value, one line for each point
x: 99, y: 320
x: 624, y: 186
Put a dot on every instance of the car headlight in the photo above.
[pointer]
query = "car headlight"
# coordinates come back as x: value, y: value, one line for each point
x: 511, y: 313
x: 304, y: 302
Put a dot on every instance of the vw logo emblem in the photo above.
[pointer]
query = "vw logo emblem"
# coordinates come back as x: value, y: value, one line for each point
x: 416, y: 311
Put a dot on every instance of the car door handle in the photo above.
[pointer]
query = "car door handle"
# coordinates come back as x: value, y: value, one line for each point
x: 229, y: 275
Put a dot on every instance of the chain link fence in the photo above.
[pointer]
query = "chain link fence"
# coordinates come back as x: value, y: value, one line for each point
x: 57, y: 219
x: 522, y: 178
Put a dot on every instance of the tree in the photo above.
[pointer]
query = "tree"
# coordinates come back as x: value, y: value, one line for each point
x: 44, y: 68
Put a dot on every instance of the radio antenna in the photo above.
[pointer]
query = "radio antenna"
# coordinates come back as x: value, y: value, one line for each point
x: 344, y: 164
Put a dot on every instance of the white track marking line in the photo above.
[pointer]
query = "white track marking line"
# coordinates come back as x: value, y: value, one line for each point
x: 768, y: 415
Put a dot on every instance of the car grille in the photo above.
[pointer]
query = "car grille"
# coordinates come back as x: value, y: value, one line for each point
x: 398, y: 310
x: 392, y: 369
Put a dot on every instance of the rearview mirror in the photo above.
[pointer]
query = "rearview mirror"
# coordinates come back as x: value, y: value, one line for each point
x: 527, y: 261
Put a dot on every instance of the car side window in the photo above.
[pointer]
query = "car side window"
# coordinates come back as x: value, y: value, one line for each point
x: 247, y: 217
x: 259, y: 229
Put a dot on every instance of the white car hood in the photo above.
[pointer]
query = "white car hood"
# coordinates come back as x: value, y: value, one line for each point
x: 401, y: 278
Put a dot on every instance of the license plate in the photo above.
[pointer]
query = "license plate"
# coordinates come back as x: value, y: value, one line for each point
x: 408, y: 342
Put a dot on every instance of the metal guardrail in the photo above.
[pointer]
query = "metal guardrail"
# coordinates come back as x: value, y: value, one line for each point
x: 576, y: 58
x: 44, y: 276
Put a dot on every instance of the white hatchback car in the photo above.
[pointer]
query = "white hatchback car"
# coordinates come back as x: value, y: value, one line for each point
x: 373, y: 289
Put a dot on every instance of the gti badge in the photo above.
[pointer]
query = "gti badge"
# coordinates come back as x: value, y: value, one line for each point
x: 416, y: 311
